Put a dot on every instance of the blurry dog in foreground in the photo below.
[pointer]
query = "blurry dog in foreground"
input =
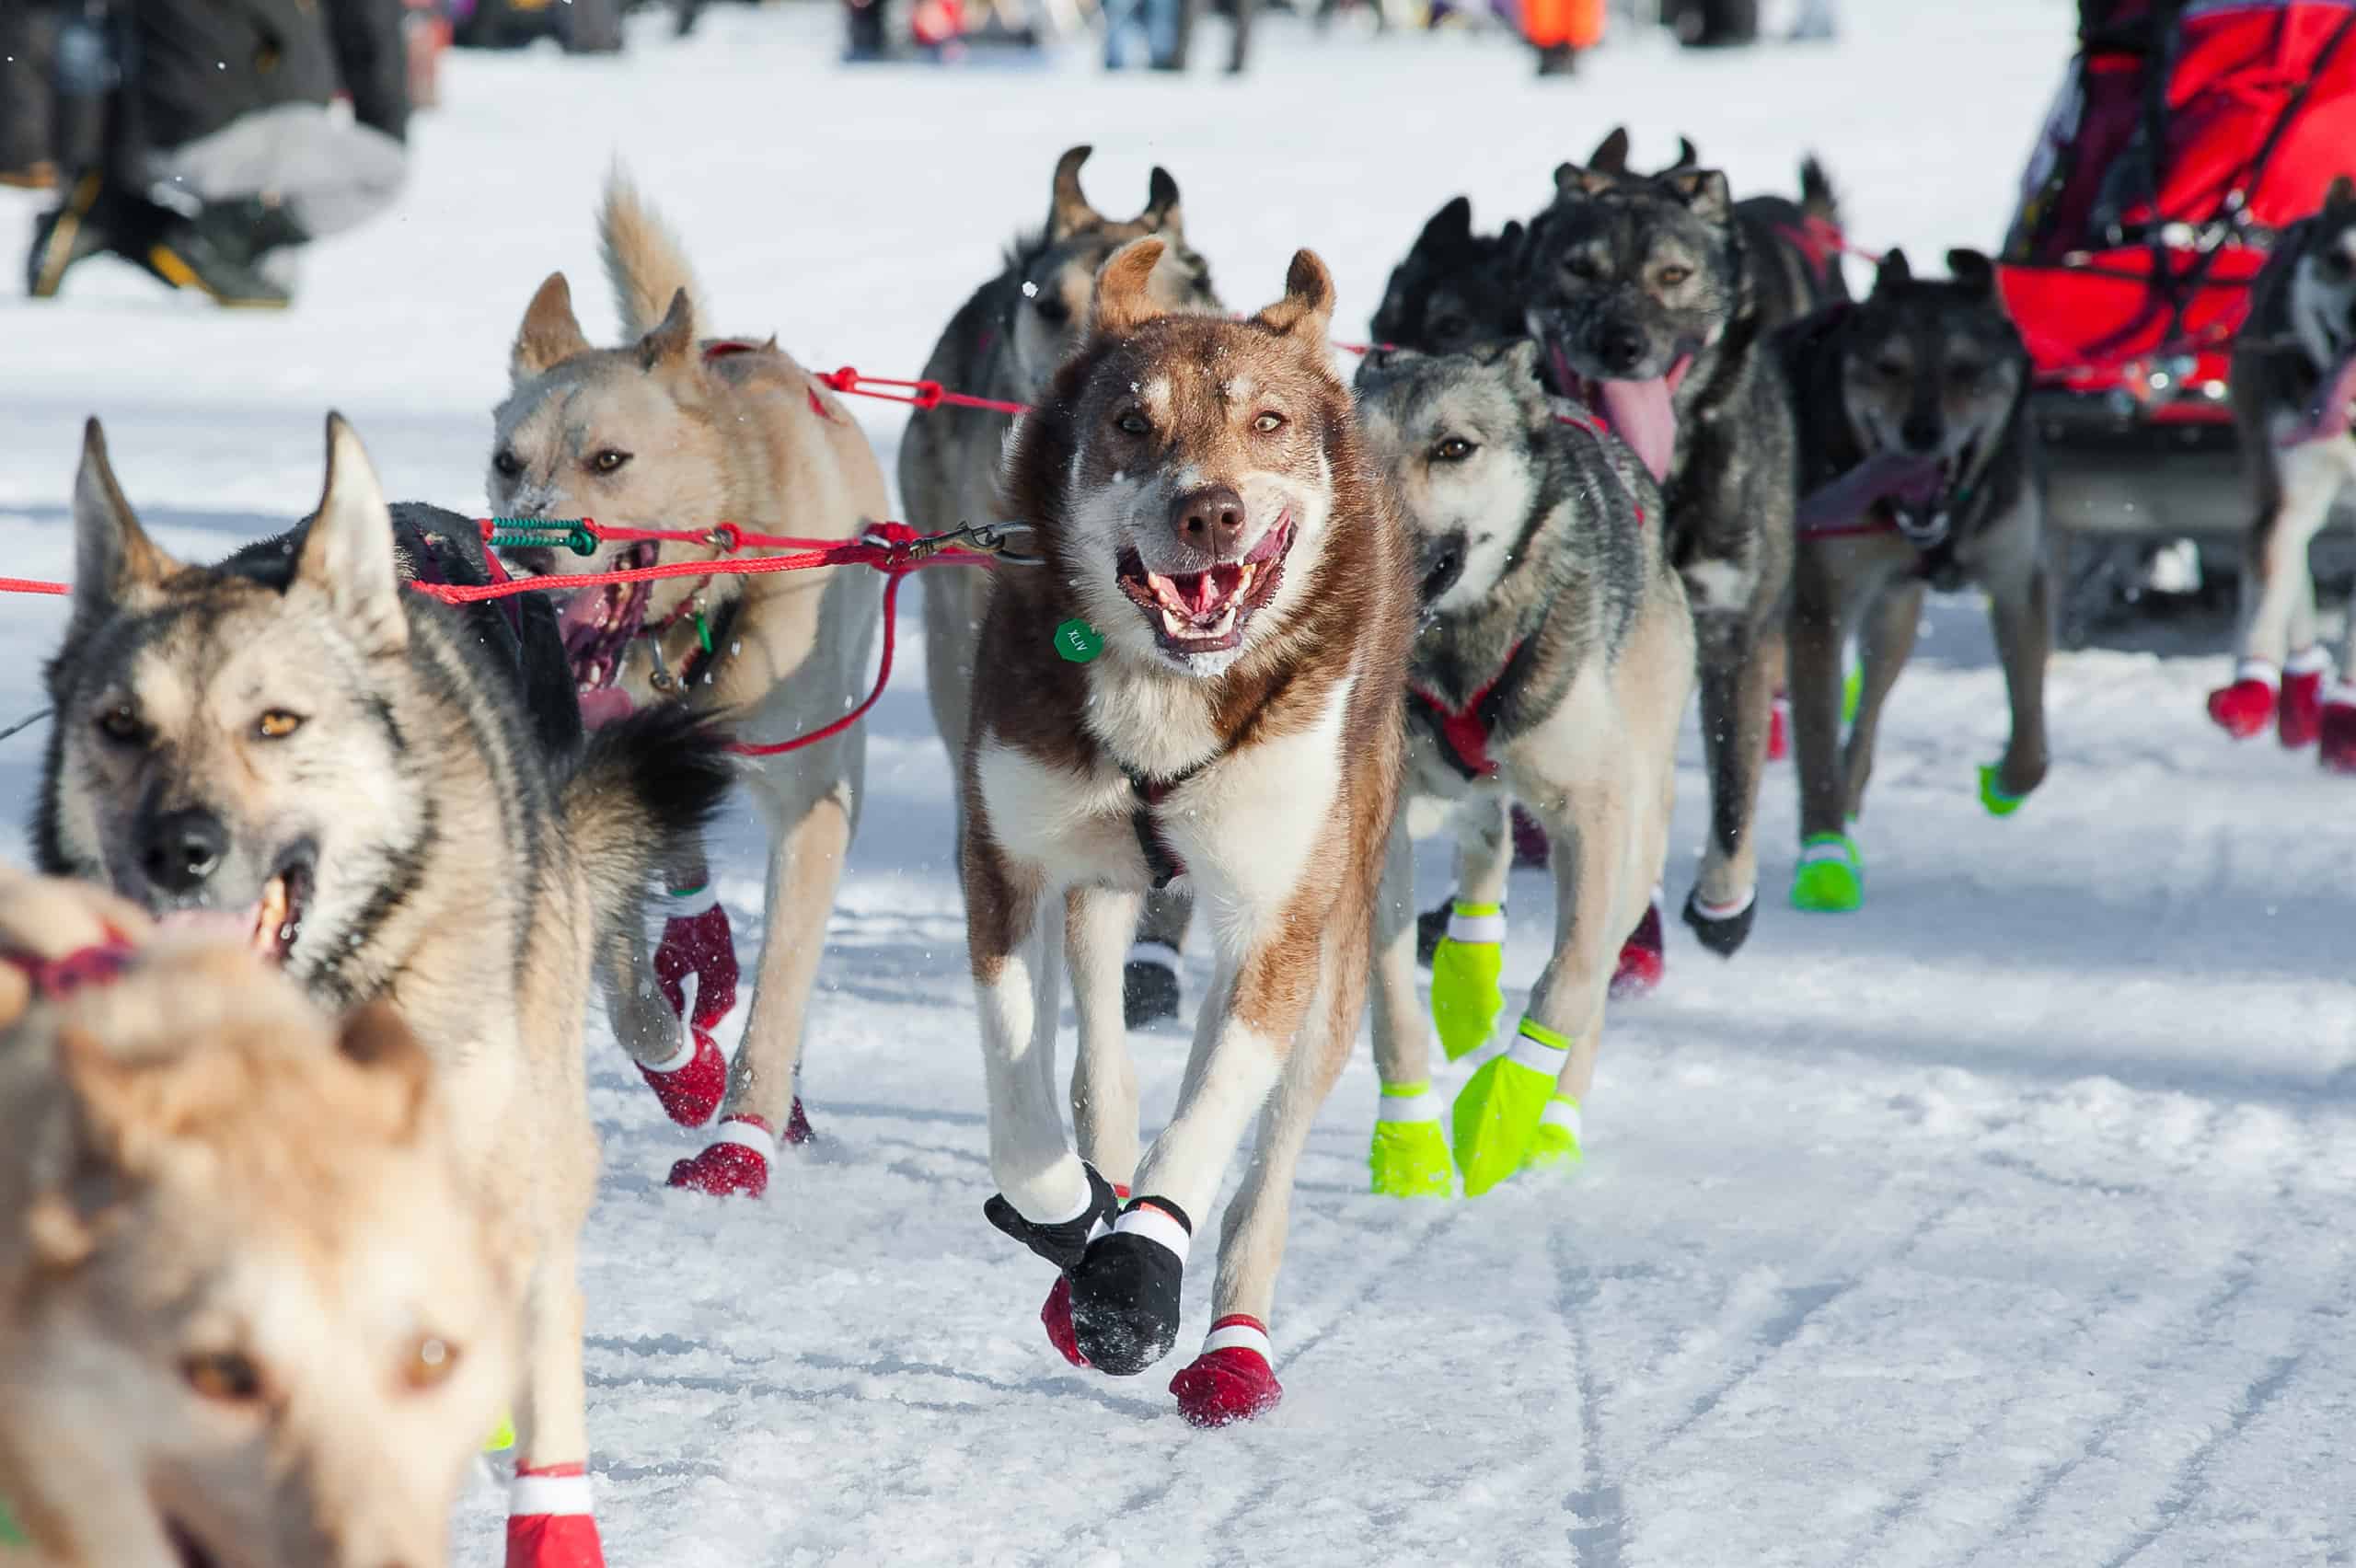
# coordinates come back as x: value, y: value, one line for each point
x: 251, y: 1313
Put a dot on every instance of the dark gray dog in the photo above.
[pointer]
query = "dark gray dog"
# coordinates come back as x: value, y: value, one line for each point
x: 1645, y: 293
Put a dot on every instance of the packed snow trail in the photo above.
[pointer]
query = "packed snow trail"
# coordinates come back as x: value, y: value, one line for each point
x: 2002, y: 1223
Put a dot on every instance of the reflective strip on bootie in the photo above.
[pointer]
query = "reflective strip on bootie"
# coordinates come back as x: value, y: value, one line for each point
x: 687, y: 905
x: 1144, y: 1220
x: 1239, y: 1330
x: 1407, y: 1103
x: 1476, y: 922
x: 1540, y: 1049
x: 1408, y: 1156
x: 559, y: 1489
x: 1559, y: 1132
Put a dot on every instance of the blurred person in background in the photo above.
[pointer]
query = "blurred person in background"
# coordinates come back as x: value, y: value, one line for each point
x: 1156, y: 22
x: 1190, y: 11
x: 223, y: 148
x: 1559, y: 29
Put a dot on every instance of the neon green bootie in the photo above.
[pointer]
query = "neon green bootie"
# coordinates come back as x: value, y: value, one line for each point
x: 1852, y: 686
x: 1992, y: 796
x: 503, y: 1438
x: 1557, y: 1144
x: 1499, y: 1111
x: 1466, y: 998
x: 1830, y: 877
x: 1410, y: 1154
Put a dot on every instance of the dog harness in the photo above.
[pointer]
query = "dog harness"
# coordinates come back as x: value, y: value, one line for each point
x: 52, y: 978
x: 1819, y: 242
x: 1463, y: 733
x: 1162, y: 863
x: 430, y: 564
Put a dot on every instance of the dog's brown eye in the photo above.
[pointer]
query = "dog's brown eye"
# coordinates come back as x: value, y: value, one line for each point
x: 1132, y: 424
x: 119, y: 723
x: 1672, y: 276
x: 1269, y: 423
x: 507, y: 463
x: 608, y: 461
x: 429, y: 1363
x: 1455, y: 449
x: 1052, y: 310
x: 225, y: 1378
x: 277, y: 724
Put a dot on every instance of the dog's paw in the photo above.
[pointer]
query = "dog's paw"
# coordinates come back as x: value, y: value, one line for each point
x: 1556, y: 1147
x: 1125, y: 1292
x: 736, y: 1165
x: 1499, y: 1111
x: 1994, y: 796
x: 548, y: 1521
x: 697, y: 941
x: 1232, y: 1380
x: 1722, y: 930
x: 1831, y: 876
x: 2246, y: 708
x: 2337, y: 731
x: 1466, y: 967
x: 1409, y: 1158
x: 691, y: 1085
x: 1149, y: 986
x: 1064, y: 1243
x: 1642, y: 957
x: 2298, y: 717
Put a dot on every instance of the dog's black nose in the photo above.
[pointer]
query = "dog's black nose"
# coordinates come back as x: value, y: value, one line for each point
x: 1921, y: 433
x: 1209, y: 519
x: 184, y: 848
x: 1443, y: 565
x: 1620, y: 347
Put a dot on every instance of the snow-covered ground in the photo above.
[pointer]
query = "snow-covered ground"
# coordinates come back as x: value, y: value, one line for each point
x: 2003, y: 1224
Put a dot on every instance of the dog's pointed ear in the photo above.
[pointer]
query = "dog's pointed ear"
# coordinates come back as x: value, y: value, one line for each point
x: 1973, y: 272
x: 1068, y: 210
x: 1163, y: 212
x: 374, y: 1039
x: 673, y: 337
x: 115, y: 564
x: 1688, y: 156
x: 1521, y: 357
x: 1570, y: 179
x: 1449, y: 228
x: 1307, y: 309
x: 1703, y: 192
x: 550, y: 334
x: 1894, y: 270
x: 348, y: 553
x: 1124, y: 298
x: 1611, y: 155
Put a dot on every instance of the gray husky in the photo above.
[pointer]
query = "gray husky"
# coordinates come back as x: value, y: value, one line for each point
x: 1553, y: 664
x: 2293, y: 379
x: 1645, y: 295
x: 1005, y: 343
x: 349, y: 773
x: 1920, y: 465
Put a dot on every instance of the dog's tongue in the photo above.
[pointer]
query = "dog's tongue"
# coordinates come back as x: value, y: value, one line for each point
x: 1909, y: 477
x: 1640, y: 414
x: 599, y: 708
x: 583, y: 617
x: 224, y: 923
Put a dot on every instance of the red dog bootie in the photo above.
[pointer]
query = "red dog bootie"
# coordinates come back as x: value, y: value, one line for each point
x: 548, y: 1521
x: 2338, y: 730
x: 2247, y: 706
x: 1779, y: 729
x: 737, y: 1164
x: 691, y: 1085
x: 1055, y: 1315
x: 1232, y: 1380
x: 1643, y: 957
x: 697, y: 941
x: 2299, y: 720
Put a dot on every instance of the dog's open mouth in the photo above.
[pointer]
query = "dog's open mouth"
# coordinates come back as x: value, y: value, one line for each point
x: 1205, y: 612
x: 1641, y: 413
x: 1923, y: 497
x: 272, y: 923
x: 598, y: 623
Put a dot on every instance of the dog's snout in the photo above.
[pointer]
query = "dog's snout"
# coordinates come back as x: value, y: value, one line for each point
x: 1921, y: 433
x: 1443, y: 565
x: 1620, y: 346
x: 1209, y: 519
x: 184, y: 848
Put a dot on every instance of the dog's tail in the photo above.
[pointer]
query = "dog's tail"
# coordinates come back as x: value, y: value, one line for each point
x: 644, y: 260
x: 646, y: 788
x: 1817, y: 199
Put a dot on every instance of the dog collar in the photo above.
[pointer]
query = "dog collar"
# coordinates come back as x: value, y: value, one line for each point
x: 1463, y: 733
x: 56, y: 977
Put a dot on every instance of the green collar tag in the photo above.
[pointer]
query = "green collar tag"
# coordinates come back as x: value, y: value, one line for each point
x: 1077, y: 642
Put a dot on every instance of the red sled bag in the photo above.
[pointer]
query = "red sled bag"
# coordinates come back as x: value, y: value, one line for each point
x: 2188, y: 133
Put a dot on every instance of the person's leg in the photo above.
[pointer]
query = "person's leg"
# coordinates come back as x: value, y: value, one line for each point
x: 323, y: 175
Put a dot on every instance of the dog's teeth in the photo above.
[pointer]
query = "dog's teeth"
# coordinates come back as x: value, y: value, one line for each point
x: 270, y: 915
x: 1173, y: 622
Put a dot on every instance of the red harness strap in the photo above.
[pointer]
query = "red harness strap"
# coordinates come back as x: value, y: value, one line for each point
x: 1465, y: 731
x: 52, y: 978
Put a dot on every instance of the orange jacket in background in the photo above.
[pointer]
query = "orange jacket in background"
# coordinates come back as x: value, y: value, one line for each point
x: 1579, y: 23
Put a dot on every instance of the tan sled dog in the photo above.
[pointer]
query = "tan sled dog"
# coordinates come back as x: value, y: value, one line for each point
x: 1203, y: 680
x: 674, y: 430
x: 249, y: 1312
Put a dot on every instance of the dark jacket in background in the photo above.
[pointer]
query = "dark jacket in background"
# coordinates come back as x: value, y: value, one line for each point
x: 195, y: 66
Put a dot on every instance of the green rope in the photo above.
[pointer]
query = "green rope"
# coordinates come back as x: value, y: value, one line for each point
x: 524, y: 533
